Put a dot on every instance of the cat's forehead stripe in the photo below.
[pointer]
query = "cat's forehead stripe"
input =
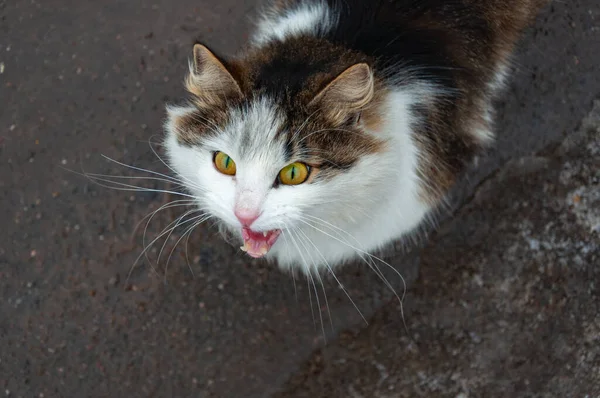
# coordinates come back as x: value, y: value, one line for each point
x: 191, y: 125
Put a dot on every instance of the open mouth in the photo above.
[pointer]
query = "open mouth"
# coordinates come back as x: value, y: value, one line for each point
x: 257, y: 244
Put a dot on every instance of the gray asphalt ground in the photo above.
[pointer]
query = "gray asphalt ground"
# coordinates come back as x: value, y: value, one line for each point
x: 502, y: 300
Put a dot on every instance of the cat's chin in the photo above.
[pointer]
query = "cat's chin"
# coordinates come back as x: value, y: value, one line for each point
x: 258, y: 244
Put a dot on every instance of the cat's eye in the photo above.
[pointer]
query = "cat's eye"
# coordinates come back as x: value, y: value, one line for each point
x: 224, y: 163
x: 293, y: 174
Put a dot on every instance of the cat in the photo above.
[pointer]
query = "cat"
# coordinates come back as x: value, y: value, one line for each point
x: 344, y: 123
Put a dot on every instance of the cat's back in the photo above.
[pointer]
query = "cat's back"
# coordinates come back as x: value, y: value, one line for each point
x: 385, y: 27
x: 426, y: 37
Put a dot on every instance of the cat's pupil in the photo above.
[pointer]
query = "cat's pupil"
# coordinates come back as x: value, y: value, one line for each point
x: 227, y: 162
x: 293, y: 172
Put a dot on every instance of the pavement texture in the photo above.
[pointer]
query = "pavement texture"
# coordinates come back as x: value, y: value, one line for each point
x: 502, y: 299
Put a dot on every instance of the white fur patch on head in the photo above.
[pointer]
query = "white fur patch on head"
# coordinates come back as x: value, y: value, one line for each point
x: 248, y: 138
x: 307, y: 17
x: 326, y: 221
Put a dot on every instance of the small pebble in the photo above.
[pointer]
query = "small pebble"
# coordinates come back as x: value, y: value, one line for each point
x: 2, y: 67
x: 64, y: 161
x: 33, y: 253
x: 12, y: 127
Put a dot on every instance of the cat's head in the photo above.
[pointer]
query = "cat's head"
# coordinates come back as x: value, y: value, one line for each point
x: 266, y: 147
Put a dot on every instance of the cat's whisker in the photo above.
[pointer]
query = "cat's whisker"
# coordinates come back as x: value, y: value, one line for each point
x: 108, y: 176
x: 168, y: 205
x: 316, y: 274
x: 330, y: 269
x: 400, y: 299
x: 188, y: 231
x: 145, y: 249
x: 171, y: 233
x: 370, y: 256
x: 187, y: 258
x: 308, y: 272
x: 160, y: 157
x: 368, y: 260
x: 283, y: 230
x: 119, y: 186
x: 151, y: 215
x: 175, y: 180
x: 312, y: 280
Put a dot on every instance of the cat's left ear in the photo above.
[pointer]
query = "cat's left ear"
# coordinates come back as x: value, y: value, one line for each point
x: 209, y: 80
x: 347, y: 94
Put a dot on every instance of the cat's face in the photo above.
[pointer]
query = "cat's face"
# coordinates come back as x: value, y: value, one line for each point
x: 262, y: 164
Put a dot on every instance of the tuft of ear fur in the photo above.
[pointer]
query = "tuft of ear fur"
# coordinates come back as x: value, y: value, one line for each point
x: 209, y: 80
x: 348, y: 93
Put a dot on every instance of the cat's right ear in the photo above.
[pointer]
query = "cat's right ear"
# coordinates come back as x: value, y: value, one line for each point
x: 209, y: 80
x: 347, y: 94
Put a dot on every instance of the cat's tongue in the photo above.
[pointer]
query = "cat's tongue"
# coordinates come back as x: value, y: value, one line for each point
x: 257, y: 244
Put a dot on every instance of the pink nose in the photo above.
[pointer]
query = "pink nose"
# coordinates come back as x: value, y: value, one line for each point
x: 246, y: 217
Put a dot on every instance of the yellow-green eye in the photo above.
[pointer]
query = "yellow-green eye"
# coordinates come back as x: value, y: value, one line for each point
x: 293, y: 174
x: 224, y: 163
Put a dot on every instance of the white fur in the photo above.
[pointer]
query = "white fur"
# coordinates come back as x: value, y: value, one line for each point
x: 358, y: 211
x: 483, y: 133
x: 310, y: 17
x: 500, y: 77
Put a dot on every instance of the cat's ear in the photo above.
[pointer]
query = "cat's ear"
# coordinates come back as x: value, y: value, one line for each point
x: 347, y: 94
x: 209, y: 80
